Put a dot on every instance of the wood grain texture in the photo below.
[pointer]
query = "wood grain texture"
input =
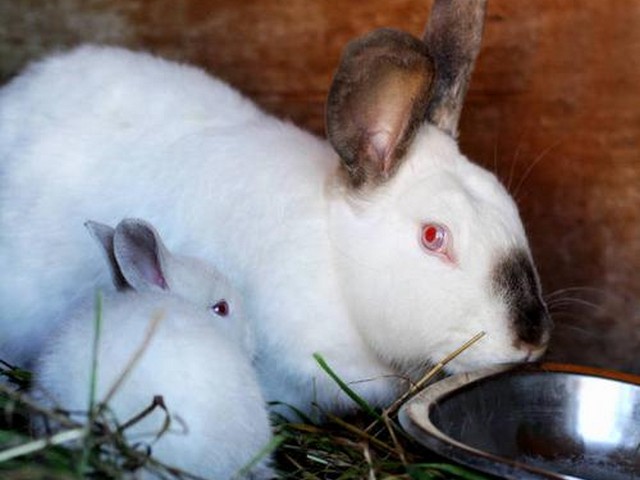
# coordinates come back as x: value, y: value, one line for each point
x: 553, y: 108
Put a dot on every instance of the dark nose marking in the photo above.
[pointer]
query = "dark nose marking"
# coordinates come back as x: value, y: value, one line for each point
x: 516, y: 280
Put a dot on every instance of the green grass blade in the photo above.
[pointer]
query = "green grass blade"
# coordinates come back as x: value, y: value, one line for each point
x: 361, y: 402
x: 41, y: 444
x: 94, y: 353
x: 15, y: 375
x: 86, y: 451
x: 284, y: 419
x: 265, y: 451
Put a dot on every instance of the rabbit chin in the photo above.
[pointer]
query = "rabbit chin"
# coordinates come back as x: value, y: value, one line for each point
x: 433, y: 344
x: 488, y: 354
x: 485, y: 351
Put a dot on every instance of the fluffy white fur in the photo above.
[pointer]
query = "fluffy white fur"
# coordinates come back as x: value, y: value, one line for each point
x: 197, y: 361
x: 104, y: 133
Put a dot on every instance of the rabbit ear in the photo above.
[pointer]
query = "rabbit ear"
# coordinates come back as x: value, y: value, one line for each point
x: 103, y: 234
x: 141, y: 255
x: 453, y: 35
x: 377, y: 101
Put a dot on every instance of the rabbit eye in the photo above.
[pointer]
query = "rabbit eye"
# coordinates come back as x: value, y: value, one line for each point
x: 221, y: 308
x: 435, y: 238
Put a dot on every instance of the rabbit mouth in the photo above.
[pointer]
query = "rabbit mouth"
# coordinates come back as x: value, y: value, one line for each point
x: 516, y: 282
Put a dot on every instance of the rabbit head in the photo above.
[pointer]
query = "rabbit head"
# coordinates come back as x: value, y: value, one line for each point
x: 139, y: 260
x: 430, y: 247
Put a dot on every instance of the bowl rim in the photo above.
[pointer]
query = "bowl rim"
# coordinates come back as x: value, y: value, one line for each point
x: 415, y: 417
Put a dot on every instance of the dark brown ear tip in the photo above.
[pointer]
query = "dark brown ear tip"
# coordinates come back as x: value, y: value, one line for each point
x: 389, y: 45
x: 389, y: 40
x: 359, y: 58
x: 454, y: 37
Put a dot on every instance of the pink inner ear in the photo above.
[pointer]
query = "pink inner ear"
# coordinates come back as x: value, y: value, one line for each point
x: 160, y: 281
x: 152, y: 273
x: 381, y: 143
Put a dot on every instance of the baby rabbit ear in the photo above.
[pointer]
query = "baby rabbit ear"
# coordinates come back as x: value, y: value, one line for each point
x: 103, y: 234
x: 453, y: 35
x: 141, y: 255
x: 377, y: 101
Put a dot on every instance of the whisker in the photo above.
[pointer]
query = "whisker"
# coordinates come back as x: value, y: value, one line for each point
x: 531, y: 166
x: 514, y: 161
x: 512, y: 169
x: 571, y: 321
x: 496, y: 171
x: 563, y: 302
x: 585, y: 289
x: 575, y: 329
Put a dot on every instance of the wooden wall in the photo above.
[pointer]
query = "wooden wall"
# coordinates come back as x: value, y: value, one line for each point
x: 554, y: 109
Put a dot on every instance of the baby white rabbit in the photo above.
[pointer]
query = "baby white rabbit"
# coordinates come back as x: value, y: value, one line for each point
x: 383, y: 254
x: 197, y: 357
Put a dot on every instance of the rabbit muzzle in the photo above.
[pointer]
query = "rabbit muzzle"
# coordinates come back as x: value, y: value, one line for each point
x: 516, y: 281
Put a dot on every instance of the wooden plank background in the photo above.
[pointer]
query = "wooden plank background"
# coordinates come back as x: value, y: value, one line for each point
x: 554, y: 109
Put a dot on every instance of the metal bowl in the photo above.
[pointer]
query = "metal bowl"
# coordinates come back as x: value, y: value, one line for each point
x: 548, y: 421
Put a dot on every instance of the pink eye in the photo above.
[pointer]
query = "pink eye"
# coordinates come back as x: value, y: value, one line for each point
x: 221, y: 308
x: 435, y: 238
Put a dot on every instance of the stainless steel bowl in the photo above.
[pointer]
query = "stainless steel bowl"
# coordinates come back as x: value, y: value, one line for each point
x: 548, y: 421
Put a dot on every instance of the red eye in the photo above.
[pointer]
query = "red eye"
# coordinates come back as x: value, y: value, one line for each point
x: 435, y: 238
x: 221, y: 308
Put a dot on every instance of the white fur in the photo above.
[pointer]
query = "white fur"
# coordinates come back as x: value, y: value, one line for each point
x: 104, y: 133
x: 197, y: 361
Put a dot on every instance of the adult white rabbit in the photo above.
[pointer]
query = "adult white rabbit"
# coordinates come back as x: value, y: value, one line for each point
x: 383, y: 254
x: 197, y: 358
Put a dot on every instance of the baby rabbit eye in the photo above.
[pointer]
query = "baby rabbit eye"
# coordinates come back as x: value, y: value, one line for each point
x: 435, y: 238
x: 221, y: 308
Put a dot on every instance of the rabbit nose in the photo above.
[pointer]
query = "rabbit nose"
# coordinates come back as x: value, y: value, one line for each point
x: 533, y: 324
x: 534, y: 353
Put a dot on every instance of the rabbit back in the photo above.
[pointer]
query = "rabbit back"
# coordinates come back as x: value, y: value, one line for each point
x: 103, y: 133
